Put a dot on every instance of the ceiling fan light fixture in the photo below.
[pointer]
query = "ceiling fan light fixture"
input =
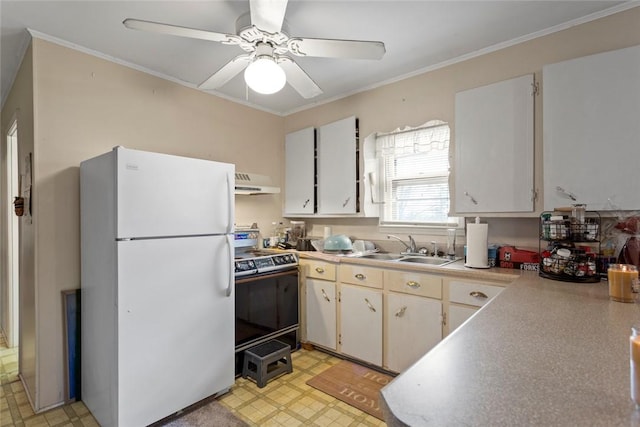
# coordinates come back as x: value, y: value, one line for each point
x: 265, y: 76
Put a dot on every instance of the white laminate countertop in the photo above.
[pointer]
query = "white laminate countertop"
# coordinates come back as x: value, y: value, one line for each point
x: 541, y: 353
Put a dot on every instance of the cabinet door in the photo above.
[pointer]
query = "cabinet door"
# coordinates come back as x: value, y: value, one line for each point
x: 361, y: 323
x: 337, y: 146
x: 321, y: 313
x: 591, y: 127
x: 458, y: 315
x: 414, y: 326
x: 494, y: 147
x: 299, y: 150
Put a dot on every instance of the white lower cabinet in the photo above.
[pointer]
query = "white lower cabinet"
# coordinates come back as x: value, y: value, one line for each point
x: 385, y: 317
x: 361, y: 323
x: 321, y: 322
x: 465, y: 297
x: 458, y: 314
x: 413, y: 326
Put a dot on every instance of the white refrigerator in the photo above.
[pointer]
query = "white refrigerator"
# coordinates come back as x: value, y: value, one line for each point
x: 157, y: 284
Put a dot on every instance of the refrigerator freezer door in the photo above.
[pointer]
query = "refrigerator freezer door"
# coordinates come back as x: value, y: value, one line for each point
x: 175, y: 323
x: 163, y: 195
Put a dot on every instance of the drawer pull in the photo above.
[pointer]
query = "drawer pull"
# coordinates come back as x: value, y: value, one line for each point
x: 360, y: 276
x: 478, y: 294
x: 413, y: 284
x: 320, y: 270
x: 400, y: 312
x: 369, y: 305
x: 324, y: 294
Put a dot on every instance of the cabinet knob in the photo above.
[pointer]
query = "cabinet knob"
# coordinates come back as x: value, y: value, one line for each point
x: 320, y: 270
x: 360, y: 276
x: 413, y: 284
x: 400, y: 312
x: 369, y: 305
x: 478, y: 294
x: 324, y: 294
x: 471, y: 197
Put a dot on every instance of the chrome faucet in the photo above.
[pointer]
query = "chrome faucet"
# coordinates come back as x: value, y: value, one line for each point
x: 411, y: 247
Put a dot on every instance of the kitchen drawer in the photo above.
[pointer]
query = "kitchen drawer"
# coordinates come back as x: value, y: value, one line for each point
x: 319, y: 269
x: 425, y: 285
x: 471, y: 293
x: 359, y: 275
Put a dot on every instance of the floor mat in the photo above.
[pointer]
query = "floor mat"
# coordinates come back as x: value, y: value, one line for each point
x: 206, y: 413
x: 353, y: 384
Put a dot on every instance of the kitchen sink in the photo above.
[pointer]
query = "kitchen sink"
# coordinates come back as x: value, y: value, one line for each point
x: 383, y: 257
x: 417, y: 259
x: 426, y: 260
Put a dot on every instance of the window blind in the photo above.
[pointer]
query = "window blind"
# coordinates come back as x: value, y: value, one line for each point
x: 415, y: 166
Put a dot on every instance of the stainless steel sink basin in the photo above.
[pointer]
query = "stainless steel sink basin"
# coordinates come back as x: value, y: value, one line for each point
x: 426, y: 260
x: 383, y: 257
x: 418, y: 259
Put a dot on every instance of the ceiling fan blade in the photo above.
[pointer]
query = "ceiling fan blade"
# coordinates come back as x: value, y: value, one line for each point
x: 298, y: 79
x: 268, y: 15
x: 226, y: 73
x: 328, y: 48
x: 174, y: 30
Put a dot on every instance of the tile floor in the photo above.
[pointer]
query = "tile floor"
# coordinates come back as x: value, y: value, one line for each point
x: 8, y: 362
x: 285, y: 401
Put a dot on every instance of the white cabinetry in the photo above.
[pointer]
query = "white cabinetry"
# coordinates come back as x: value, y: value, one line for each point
x: 494, y: 148
x: 337, y: 167
x: 361, y: 323
x: 320, y: 304
x: 413, y: 317
x: 413, y: 328
x: 465, y: 297
x: 300, y: 172
x: 321, y: 313
x: 361, y: 311
x: 591, y: 127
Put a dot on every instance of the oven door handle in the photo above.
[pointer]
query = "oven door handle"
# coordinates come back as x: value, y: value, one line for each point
x: 232, y: 278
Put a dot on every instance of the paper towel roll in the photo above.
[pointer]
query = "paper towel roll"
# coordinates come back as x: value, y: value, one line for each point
x: 327, y: 232
x: 477, y: 246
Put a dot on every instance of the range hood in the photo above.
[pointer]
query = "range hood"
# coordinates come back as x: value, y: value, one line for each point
x: 251, y: 183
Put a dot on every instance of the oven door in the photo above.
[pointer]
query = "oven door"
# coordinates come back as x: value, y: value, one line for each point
x: 267, y: 307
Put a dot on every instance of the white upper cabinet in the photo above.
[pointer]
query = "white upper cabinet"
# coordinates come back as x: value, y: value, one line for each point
x: 337, y: 167
x: 494, y: 148
x: 300, y: 172
x: 591, y: 138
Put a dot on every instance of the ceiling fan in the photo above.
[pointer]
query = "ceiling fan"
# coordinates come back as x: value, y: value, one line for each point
x: 266, y: 62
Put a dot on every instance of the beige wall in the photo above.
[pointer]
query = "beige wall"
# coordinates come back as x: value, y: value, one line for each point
x: 84, y: 106
x: 428, y: 96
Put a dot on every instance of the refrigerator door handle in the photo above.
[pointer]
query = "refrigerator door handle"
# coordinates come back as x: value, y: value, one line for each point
x: 232, y: 278
x: 231, y: 188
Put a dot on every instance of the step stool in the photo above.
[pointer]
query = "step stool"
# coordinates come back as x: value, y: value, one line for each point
x: 266, y: 361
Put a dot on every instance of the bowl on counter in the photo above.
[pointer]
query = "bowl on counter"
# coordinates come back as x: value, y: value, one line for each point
x: 337, y: 243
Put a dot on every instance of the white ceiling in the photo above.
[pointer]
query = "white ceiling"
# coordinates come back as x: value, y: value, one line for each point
x: 419, y: 35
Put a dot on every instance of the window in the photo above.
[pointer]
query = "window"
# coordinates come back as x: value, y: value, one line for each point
x: 415, y: 169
